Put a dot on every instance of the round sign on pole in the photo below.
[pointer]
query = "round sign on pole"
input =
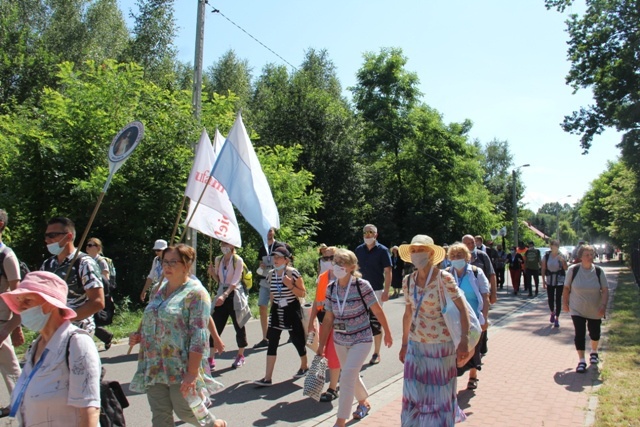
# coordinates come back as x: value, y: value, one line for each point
x: 125, y: 142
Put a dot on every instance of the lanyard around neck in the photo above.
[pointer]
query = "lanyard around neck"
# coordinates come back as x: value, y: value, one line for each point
x: 344, y: 301
x: 23, y: 389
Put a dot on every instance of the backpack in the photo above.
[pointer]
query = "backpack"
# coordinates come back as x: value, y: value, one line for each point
x: 574, y: 273
x: 24, y: 269
x: 112, y: 273
x: 473, y: 268
x: 112, y: 398
x: 247, y: 276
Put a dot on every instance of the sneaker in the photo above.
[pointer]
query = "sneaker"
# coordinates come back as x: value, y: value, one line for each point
x: 263, y: 382
x: 301, y: 373
x: 238, y: 362
x: 552, y: 318
x: 262, y: 344
x: 556, y: 324
x: 212, y: 363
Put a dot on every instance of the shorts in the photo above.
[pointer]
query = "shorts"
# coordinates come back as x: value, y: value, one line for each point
x: 379, y: 296
x: 263, y: 296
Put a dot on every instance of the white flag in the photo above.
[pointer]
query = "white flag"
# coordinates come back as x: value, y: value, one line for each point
x: 215, y: 216
x: 238, y: 169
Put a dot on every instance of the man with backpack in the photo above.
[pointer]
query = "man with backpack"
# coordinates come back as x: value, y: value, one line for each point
x: 86, y: 290
x: 532, y: 261
x: 9, y: 279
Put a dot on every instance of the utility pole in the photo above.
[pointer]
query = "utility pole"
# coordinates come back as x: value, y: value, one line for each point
x: 196, y: 101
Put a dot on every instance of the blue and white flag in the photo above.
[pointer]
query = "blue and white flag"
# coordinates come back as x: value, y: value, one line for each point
x: 238, y: 170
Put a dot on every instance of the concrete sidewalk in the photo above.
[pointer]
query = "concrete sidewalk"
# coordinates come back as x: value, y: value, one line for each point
x: 528, y: 378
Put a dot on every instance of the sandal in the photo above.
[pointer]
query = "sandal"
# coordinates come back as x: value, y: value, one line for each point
x: 375, y: 359
x: 361, y: 412
x: 4, y: 412
x: 582, y: 368
x: 472, y: 384
x: 594, y: 359
x: 329, y: 395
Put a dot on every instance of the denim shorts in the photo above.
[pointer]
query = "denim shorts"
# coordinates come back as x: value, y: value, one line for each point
x: 263, y: 296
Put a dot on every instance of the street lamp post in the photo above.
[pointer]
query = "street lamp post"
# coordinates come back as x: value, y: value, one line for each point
x: 558, y: 217
x: 515, y: 205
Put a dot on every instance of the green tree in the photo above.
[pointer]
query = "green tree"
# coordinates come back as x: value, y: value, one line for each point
x: 152, y: 44
x: 59, y: 163
x: 230, y: 74
x: 497, y: 162
x: 604, y: 50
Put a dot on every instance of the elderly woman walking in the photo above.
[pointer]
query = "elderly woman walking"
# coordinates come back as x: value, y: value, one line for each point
x: 428, y: 353
x: 349, y: 299
x: 585, y: 297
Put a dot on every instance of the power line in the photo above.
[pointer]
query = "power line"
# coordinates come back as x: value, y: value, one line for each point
x: 216, y: 10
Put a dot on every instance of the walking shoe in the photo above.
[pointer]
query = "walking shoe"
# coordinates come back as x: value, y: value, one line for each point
x: 263, y: 382
x: 212, y: 363
x: 552, y: 318
x: 301, y: 373
x: 556, y: 324
x: 238, y: 362
x: 261, y: 344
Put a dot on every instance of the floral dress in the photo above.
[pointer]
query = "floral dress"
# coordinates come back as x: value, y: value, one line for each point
x: 172, y: 327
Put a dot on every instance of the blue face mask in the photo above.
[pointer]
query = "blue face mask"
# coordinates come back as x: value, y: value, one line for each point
x: 54, y: 248
x: 34, y: 318
x: 458, y: 264
x: 279, y: 267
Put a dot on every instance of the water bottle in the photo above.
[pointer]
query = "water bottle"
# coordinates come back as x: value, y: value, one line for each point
x: 197, y: 404
x: 310, y: 337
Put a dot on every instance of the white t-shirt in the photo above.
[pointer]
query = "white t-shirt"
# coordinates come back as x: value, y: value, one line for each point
x: 56, y: 390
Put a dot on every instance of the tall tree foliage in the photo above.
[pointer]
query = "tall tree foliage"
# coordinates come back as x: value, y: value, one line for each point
x: 152, y: 44
x: 230, y: 74
x: 422, y: 175
x: 604, y: 50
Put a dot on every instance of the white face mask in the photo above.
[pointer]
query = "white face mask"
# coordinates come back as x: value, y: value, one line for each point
x: 54, y: 248
x: 369, y: 241
x: 420, y: 259
x: 225, y: 250
x: 324, y: 266
x: 339, y: 272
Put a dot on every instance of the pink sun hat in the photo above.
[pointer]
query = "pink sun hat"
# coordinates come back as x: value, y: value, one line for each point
x: 49, y: 286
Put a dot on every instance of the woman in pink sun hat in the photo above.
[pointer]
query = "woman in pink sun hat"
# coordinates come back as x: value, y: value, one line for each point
x: 41, y: 395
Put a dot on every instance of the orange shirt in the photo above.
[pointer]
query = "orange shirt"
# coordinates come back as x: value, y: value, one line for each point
x: 321, y: 290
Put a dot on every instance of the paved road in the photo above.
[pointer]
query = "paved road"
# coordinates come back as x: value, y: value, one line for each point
x: 244, y: 404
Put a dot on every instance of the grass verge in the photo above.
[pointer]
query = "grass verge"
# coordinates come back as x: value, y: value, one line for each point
x: 619, y: 396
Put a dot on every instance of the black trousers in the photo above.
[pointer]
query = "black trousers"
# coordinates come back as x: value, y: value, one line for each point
x: 500, y: 276
x: 528, y: 274
x: 221, y: 315
x: 103, y: 335
x: 581, y: 324
x: 554, y: 294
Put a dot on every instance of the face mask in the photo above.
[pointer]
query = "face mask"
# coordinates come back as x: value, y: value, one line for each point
x: 420, y: 260
x: 458, y: 264
x: 339, y: 272
x: 280, y: 267
x: 369, y: 241
x: 34, y: 318
x: 54, y: 248
x: 324, y: 266
x: 225, y: 250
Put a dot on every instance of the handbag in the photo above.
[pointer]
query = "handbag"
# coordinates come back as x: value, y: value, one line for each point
x: 314, y: 381
x: 451, y: 316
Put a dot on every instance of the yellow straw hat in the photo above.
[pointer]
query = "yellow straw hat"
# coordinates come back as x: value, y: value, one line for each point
x: 422, y: 240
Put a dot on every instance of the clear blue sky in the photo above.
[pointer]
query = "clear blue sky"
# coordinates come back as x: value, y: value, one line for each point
x: 500, y: 63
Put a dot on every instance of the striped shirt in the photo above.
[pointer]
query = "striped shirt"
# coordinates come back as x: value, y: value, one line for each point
x: 355, y: 315
x: 280, y: 292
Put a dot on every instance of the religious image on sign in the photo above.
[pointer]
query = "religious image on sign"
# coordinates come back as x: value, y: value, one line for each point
x: 125, y: 142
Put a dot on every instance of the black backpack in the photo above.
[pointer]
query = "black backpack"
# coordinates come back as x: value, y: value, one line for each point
x: 112, y: 399
x: 23, y: 267
x: 574, y: 273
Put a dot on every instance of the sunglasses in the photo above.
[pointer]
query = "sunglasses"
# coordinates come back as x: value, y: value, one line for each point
x: 54, y: 234
x: 327, y: 258
x: 171, y: 264
x: 92, y: 245
x: 366, y: 233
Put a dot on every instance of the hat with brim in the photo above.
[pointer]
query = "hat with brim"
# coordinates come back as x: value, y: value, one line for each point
x: 49, y: 286
x: 160, y: 245
x: 422, y: 240
x: 281, y: 251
